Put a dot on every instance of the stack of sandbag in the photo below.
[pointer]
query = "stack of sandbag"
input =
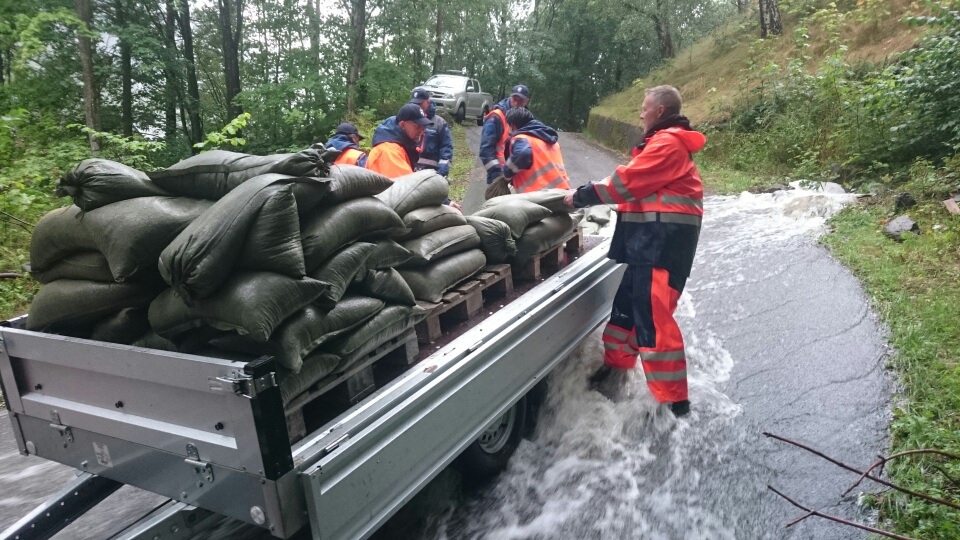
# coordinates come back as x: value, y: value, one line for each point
x: 444, y: 247
x: 536, y: 221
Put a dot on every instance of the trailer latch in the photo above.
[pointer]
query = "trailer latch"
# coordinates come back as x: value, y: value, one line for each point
x: 65, y: 431
x: 247, y: 386
x: 202, y: 468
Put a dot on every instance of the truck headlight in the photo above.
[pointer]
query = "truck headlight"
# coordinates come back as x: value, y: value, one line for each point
x: 447, y: 96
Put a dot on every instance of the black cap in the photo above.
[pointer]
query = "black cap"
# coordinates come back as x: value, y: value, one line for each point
x: 520, y: 90
x: 347, y: 128
x: 412, y: 113
x: 419, y: 95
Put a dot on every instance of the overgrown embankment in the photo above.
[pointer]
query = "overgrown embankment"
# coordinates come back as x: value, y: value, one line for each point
x: 863, y: 93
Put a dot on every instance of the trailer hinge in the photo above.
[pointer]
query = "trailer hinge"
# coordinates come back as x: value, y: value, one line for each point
x: 247, y: 386
x: 202, y: 468
x: 65, y: 432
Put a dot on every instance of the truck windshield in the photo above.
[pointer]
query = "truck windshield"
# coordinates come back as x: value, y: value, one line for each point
x: 445, y: 81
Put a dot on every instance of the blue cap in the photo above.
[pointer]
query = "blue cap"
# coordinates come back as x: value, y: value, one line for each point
x: 413, y: 113
x: 419, y: 95
x: 520, y: 90
x: 347, y: 128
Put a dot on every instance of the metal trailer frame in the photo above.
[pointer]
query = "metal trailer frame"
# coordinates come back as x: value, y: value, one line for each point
x: 210, y: 433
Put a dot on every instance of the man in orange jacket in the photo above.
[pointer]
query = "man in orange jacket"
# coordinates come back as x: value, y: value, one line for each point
x: 534, y: 161
x: 394, y: 151
x: 659, y: 198
x: 347, y: 139
x: 493, y: 138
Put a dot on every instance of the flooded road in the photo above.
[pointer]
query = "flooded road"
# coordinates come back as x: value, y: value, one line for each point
x: 779, y: 338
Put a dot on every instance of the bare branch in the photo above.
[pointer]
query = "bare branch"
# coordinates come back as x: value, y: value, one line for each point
x: 883, y: 460
x: 840, y: 520
x: 874, y: 478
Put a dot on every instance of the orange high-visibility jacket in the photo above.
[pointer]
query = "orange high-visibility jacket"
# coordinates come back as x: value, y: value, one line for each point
x: 546, y: 171
x: 390, y: 160
x: 349, y: 156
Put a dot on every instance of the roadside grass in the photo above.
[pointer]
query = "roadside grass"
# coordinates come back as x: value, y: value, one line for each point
x: 463, y: 162
x: 913, y: 286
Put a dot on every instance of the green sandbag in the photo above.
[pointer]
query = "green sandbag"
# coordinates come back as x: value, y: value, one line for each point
x: 196, y: 262
x: 249, y: 303
x: 305, y: 330
x: 74, y: 307
x: 387, y: 285
x: 132, y: 233
x: 431, y: 218
x: 517, y: 213
x: 58, y: 234
x: 351, y: 182
x: 329, y: 229
x: 273, y: 243
x: 542, y: 236
x: 152, y: 340
x: 496, y: 240
x: 551, y: 199
x: 439, y: 244
x: 387, y: 254
x: 82, y: 265
x: 599, y: 214
x: 340, y: 269
x: 416, y: 190
x: 431, y: 282
x: 315, y: 367
x: 211, y: 175
x: 125, y: 326
x: 307, y: 190
x: 98, y: 182
x: 387, y: 324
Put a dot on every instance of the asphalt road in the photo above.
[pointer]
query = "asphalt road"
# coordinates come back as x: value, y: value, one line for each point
x: 780, y: 338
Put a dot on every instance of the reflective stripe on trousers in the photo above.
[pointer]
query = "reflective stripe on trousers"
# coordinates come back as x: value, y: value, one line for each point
x: 642, y: 323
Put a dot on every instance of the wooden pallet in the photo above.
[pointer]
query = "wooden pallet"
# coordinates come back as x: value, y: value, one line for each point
x: 354, y: 384
x: 465, y: 300
x: 551, y: 259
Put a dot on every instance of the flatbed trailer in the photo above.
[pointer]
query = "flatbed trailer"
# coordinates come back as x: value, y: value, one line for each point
x: 210, y: 433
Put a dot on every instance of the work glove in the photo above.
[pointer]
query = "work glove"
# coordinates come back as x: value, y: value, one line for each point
x: 444, y: 169
x: 500, y: 186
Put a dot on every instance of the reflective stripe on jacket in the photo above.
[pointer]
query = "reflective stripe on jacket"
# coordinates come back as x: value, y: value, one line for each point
x: 493, y: 139
x: 545, y: 169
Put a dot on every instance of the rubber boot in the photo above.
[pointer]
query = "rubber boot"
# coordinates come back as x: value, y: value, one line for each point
x: 680, y: 408
x: 609, y: 381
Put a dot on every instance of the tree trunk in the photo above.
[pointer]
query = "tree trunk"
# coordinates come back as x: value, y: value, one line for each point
x: 358, y: 45
x: 572, y: 93
x: 231, y: 19
x: 2, y: 68
x: 438, y: 38
x: 126, y: 69
x: 661, y: 23
x: 770, y: 24
x: 170, y: 85
x: 193, y: 91
x: 91, y: 106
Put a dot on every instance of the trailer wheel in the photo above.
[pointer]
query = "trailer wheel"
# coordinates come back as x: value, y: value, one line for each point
x: 461, y: 113
x: 482, y: 116
x: 487, y: 456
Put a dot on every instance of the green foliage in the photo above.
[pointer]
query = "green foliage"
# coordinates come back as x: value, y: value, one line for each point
x: 227, y: 137
x: 133, y: 151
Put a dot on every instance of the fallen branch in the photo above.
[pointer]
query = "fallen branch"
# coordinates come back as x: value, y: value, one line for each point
x: 883, y: 460
x: 865, y: 474
x: 25, y: 225
x: 9, y: 275
x: 811, y: 512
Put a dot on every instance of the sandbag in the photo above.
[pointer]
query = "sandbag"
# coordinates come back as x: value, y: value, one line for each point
x: 517, y: 213
x: 315, y: 367
x: 498, y: 188
x: 304, y: 331
x: 153, y: 340
x: 387, y: 285
x: 196, y: 262
x: 273, y: 243
x: 131, y: 234
x: 387, y: 254
x: 98, y: 182
x: 309, y: 191
x: 389, y: 323
x: 125, y: 326
x: 73, y: 307
x: 249, y: 303
x: 351, y: 182
x: 211, y: 175
x: 416, y: 190
x: 551, y: 199
x: 431, y: 282
x: 82, y: 265
x: 599, y: 214
x: 550, y: 232
x: 496, y: 240
x: 439, y: 244
x: 431, y: 218
x: 340, y: 269
x: 329, y: 229
x: 58, y: 234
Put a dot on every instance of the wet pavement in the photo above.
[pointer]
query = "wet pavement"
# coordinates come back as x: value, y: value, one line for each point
x: 779, y: 337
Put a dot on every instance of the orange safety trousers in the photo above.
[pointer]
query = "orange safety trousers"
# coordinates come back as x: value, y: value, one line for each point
x: 642, y: 323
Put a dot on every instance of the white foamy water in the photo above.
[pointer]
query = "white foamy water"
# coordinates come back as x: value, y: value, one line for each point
x: 598, y: 469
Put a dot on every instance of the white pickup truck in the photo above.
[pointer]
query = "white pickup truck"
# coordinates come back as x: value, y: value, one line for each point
x: 459, y: 96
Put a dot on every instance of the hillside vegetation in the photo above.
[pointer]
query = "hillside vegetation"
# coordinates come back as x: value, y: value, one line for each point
x: 863, y: 93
